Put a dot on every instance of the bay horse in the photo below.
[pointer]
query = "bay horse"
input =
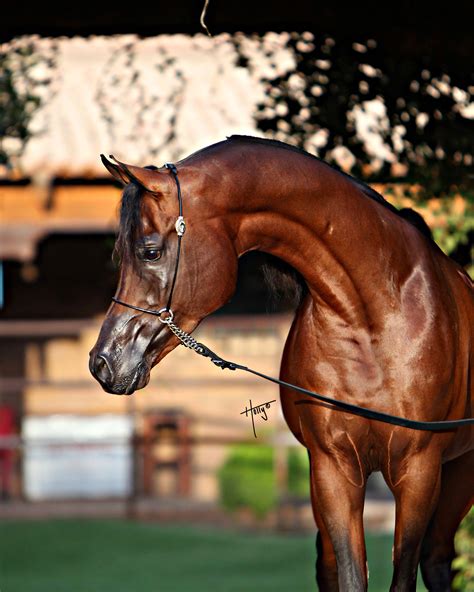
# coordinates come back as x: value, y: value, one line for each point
x: 385, y: 321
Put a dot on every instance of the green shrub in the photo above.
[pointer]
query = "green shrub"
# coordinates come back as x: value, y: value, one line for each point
x: 298, y: 472
x: 464, y: 580
x: 247, y: 478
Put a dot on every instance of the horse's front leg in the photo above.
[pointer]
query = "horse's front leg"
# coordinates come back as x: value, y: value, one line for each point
x: 337, y: 496
x: 456, y: 497
x: 415, y: 483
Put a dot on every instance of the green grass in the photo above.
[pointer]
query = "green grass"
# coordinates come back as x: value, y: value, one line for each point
x: 120, y: 556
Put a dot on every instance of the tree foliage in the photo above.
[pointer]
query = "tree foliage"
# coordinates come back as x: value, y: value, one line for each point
x: 405, y: 118
x: 21, y: 77
x: 247, y: 478
x: 464, y: 563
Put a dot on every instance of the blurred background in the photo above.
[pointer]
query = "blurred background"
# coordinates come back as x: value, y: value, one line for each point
x: 172, y: 478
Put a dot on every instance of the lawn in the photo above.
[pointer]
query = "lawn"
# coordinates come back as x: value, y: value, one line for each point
x: 120, y: 556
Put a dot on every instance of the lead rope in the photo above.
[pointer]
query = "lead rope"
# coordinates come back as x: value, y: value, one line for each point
x: 188, y: 341
x: 430, y: 426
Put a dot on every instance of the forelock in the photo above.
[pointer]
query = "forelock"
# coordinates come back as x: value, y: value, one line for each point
x: 130, y: 223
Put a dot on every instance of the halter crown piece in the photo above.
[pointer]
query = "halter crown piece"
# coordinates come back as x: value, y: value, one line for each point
x: 188, y: 341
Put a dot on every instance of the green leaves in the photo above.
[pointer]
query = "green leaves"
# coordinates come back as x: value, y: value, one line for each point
x: 247, y: 478
x: 22, y: 74
x: 400, y: 118
x: 451, y: 218
x: 464, y: 563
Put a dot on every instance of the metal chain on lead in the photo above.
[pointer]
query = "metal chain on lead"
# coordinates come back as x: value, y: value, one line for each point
x: 184, y: 337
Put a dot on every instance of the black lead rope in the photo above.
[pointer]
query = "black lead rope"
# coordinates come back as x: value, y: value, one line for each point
x: 203, y: 350
x: 428, y: 426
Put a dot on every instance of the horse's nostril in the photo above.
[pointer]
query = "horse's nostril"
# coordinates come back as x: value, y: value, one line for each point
x: 101, y: 368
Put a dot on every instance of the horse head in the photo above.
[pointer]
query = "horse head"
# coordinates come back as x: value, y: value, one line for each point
x: 131, y: 342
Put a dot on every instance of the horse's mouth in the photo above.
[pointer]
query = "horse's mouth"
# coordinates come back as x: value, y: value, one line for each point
x: 128, y: 386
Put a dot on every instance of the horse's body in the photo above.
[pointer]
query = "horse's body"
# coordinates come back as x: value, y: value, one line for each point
x: 386, y: 323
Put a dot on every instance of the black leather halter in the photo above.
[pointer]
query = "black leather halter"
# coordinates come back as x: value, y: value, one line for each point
x: 180, y: 227
x: 188, y: 341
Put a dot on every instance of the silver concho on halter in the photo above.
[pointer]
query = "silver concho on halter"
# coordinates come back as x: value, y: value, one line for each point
x: 180, y: 226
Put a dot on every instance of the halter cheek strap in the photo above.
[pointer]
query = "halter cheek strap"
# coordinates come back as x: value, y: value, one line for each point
x: 180, y: 227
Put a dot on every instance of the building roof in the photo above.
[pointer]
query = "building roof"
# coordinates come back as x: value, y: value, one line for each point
x: 144, y: 100
x: 147, y: 101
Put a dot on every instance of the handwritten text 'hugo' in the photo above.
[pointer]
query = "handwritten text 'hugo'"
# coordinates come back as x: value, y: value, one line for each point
x: 257, y: 410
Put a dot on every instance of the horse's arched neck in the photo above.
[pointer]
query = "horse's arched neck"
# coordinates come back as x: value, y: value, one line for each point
x: 348, y: 248
x: 328, y: 280
x: 341, y: 244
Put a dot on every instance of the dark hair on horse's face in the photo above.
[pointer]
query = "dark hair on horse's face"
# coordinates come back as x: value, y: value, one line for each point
x: 130, y: 224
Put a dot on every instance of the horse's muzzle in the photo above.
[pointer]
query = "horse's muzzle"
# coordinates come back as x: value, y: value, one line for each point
x: 114, y: 383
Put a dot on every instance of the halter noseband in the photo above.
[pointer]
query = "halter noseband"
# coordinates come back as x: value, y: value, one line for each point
x: 188, y: 341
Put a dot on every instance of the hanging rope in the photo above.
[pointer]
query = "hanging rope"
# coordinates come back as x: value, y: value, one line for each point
x: 203, y: 17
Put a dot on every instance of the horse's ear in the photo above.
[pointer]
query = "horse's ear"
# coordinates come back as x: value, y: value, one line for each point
x: 115, y: 171
x: 148, y: 178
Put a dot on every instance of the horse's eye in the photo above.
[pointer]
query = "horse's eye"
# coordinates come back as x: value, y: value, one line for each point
x: 151, y: 254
